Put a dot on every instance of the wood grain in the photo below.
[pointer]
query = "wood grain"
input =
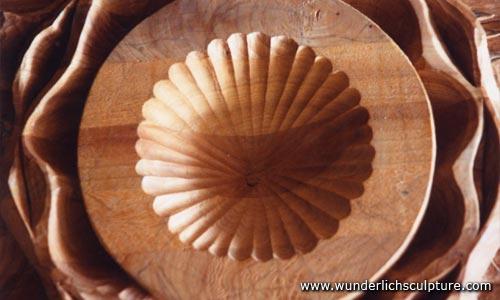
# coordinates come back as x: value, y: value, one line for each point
x: 238, y: 112
x: 79, y: 268
x: 445, y: 86
x: 18, y: 279
x: 150, y: 253
x: 26, y: 211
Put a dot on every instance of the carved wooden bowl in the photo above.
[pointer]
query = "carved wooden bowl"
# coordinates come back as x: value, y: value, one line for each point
x: 254, y: 149
x: 276, y: 151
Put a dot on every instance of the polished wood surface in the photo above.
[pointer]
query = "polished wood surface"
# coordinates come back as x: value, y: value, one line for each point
x: 451, y: 79
x: 255, y: 149
x: 50, y: 53
x: 392, y: 102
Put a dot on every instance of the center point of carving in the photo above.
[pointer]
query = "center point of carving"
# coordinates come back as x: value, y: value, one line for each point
x: 251, y: 180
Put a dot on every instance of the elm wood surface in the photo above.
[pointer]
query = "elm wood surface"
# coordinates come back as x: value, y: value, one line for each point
x: 483, y: 261
x: 59, y: 242
x: 444, y: 84
x: 462, y: 25
x: 453, y: 92
x: 27, y: 26
x: 486, y: 93
x: 467, y: 28
x: 381, y: 221
x: 488, y: 13
x: 274, y: 148
x: 16, y: 34
x: 455, y: 26
x: 18, y: 279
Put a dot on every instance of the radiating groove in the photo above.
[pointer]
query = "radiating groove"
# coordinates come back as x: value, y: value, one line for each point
x: 343, y: 162
x: 358, y: 153
x: 331, y: 88
x: 335, y: 205
x: 255, y: 148
x: 148, y: 145
x: 315, y: 185
x: 213, y: 235
x: 322, y: 204
x: 280, y: 242
x: 166, y: 92
x: 151, y: 150
x: 323, y: 145
x: 181, y: 77
x: 227, y: 227
x: 175, y: 141
x: 338, y: 131
x: 181, y: 220
x: 262, y: 244
x: 194, y: 230
x: 238, y: 47
x: 322, y: 224
x: 156, y: 186
x: 218, y: 52
x: 240, y: 247
x: 258, y: 57
x: 169, y: 204
x: 342, y: 124
x: 194, y: 114
x: 282, y: 56
x: 336, y: 136
x: 202, y: 71
x: 302, y: 238
x: 342, y: 104
x: 304, y: 59
x: 319, y: 71
x: 147, y: 167
x: 159, y: 113
x: 336, y: 144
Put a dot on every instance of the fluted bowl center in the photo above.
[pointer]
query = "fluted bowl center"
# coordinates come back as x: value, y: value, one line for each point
x: 255, y: 148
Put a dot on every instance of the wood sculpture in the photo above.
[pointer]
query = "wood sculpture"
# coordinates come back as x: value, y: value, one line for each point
x: 396, y: 148
x: 446, y: 84
x: 88, y: 230
x: 255, y: 149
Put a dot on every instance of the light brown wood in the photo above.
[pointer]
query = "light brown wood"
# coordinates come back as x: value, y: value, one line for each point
x: 258, y: 131
x: 18, y: 278
x: 53, y: 51
x: 387, y: 211
x: 482, y: 261
x: 42, y: 208
x: 448, y: 88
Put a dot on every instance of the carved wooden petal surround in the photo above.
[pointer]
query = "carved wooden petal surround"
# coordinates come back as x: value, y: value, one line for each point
x: 254, y: 149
